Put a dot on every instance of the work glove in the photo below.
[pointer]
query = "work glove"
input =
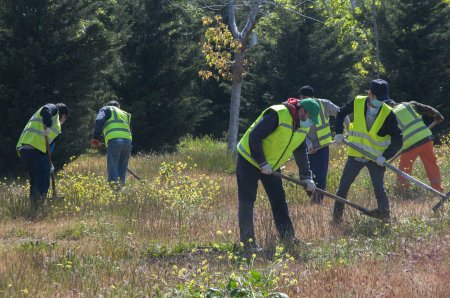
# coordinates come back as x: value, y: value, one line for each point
x: 339, y: 138
x: 47, y: 131
x: 310, y: 185
x: 96, y: 144
x: 266, y: 169
x: 52, y: 169
x: 380, y: 161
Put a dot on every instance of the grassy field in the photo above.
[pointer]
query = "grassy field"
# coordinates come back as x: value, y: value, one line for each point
x: 174, y: 234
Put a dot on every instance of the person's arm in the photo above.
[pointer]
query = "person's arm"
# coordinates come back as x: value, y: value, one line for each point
x: 344, y: 111
x: 302, y: 161
x: 330, y: 108
x: 267, y: 124
x: 102, y: 117
x: 425, y: 110
x: 390, y: 127
x: 47, y: 113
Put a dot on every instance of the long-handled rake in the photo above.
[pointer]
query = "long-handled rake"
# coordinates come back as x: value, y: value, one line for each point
x: 403, y: 174
x: 52, y: 175
x: 328, y: 194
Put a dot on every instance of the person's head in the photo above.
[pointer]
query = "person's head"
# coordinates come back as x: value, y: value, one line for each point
x: 305, y: 92
x: 308, y: 108
x: 113, y: 103
x: 63, y: 112
x: 378, y: 92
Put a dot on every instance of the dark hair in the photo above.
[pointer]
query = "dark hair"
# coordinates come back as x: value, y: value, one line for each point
x: 62, y: 109
x: 306, y: 91
x: 113, y: 103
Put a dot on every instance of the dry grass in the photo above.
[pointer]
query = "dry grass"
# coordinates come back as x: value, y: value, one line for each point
x: 128, y: 245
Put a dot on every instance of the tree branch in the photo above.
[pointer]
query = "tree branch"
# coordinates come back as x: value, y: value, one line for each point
x: 232, y: 21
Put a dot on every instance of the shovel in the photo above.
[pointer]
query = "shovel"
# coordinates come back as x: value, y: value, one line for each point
x: 133, y: 174
x: 403, y: 174
x: 52, y: 175
x: 398, y: 153
x: 328, y: 194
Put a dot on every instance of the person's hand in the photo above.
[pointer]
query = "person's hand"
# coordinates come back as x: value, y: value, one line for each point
x: 339, y: 138
x: 310, y: 185
x: 47, y: 131
x: 266, y: 169
x: 380, y: 161
x: 96, y: 144
x: 52, y: 169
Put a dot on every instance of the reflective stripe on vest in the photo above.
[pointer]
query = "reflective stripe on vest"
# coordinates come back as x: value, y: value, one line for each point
x: 117, y: 126
x: 33, y: 133
x: 411, y: 124
x: 323, y: 128
x: 368, y: 140
x: 279, y: 146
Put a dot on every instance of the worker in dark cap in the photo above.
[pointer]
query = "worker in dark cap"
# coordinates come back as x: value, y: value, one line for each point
x: 317, y: 139
x: 115, y: 126
x: 375, y: 130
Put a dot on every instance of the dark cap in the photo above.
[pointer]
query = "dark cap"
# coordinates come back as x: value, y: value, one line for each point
x: 306, y: 91
x: 62, y: 109
x: 312, y: 107
x: 113, y: 103
x: 380, y: 88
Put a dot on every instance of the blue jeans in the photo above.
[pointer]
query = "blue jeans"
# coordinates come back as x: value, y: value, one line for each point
x: 38, y: 167
x: 119, y: 152
x: 247, y: 179
x: 319, y: 167
x: 351, y: 170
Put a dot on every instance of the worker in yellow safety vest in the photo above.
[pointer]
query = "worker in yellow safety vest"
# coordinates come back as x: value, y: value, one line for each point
x: 32, y: 149
x: 318, y: 137
x: 417, y: 141
x: 115, y: 126
x: 277, y: 134
x: 375, y: 130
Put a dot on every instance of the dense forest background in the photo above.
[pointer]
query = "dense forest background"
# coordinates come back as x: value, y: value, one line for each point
x: 148, y: 53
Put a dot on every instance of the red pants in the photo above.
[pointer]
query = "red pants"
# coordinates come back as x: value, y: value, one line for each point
x: 428, y: 158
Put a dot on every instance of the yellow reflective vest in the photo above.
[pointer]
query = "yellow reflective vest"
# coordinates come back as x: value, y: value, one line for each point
x: 117, y: 126
x: 323, y: 128
x: 367, y: 140
x: 33, y: 133
x: 411, y: 124
x: 279, y: 146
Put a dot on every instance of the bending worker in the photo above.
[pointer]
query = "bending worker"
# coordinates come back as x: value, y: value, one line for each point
x: 114, y: 124
x: 32, y: 148
x: 374, y: 129
x: 417, y: 141
x: 319, y: 135
x: 277, y: 133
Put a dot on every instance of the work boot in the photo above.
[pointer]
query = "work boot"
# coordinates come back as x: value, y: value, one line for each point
x: 383, y: 214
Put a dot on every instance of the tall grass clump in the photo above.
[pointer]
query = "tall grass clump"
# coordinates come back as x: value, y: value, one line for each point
x: 208, y: 154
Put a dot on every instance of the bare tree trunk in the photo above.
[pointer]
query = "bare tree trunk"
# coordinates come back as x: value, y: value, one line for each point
x: 238, y: 68
x: 235, y: 103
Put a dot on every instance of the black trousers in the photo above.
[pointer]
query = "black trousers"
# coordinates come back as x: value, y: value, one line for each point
x: 351, y: 170
x: 247, y: 179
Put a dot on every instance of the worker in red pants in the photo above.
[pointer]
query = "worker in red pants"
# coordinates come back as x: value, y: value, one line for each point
x: 417, y: 141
